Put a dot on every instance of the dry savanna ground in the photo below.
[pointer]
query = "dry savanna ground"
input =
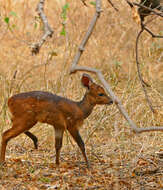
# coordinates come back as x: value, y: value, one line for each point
x: 119, y: 158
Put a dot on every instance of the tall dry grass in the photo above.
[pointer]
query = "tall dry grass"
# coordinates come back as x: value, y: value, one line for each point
x: 111, y: 49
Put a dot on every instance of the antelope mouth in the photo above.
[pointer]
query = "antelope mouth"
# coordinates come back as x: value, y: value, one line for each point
x: 110, y: 102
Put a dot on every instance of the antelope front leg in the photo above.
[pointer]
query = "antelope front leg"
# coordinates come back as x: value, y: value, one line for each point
x: 58, y: 143
x: 76, y: 136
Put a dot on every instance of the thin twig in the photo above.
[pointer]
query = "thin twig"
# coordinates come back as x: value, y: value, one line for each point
x: 130, y: 4
x: 112, y: 5
x: 153, y: 35
x: 84, y: 3
x: 139, y: 73
x: 48, y: 32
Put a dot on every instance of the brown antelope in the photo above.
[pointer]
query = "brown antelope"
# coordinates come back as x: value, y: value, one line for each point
x: 37, y: 106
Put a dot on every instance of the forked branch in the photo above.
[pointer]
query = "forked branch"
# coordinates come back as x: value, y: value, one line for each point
x: 116, y: 100
x: 48, y: 32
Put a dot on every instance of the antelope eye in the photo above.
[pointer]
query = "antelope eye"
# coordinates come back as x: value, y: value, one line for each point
x: 101, y: 94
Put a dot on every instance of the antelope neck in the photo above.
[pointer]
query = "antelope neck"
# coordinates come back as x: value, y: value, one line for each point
x: 86, y: 105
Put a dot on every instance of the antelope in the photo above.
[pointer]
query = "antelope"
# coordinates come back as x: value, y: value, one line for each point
x: 63, y: 114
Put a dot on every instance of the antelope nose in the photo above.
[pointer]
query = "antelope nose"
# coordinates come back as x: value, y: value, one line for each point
x: 110, y: 102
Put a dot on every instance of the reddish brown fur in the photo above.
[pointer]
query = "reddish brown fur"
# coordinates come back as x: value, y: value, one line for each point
x: 37, y: 106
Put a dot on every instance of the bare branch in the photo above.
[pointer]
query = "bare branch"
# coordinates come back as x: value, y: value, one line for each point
x: 87, y: 35
x: 148, y: 8
x: 151, y: 128
x: 48, y: 32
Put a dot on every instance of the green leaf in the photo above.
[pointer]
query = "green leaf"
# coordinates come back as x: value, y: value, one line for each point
x: 7, y: 19
x: 13, y: 13
x: 65, y: 7
x: 93, y: 3
x: 63, y: 31
x: 64, y: 11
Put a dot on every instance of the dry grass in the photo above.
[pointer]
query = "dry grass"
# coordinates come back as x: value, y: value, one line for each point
x: 113, y: 149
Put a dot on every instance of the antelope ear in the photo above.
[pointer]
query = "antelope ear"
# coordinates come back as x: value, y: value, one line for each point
x: 86, y: 80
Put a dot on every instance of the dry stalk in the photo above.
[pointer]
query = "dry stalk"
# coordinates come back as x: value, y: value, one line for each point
x: 26, y: 74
